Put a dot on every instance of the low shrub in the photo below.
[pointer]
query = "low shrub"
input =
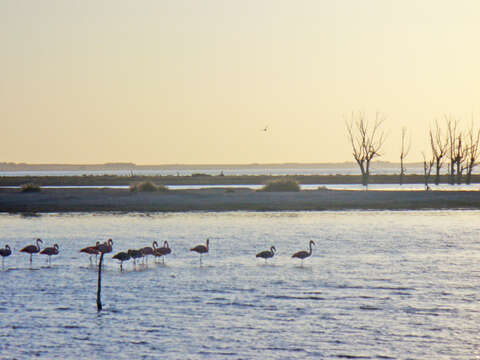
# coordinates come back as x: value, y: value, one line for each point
x: 281, y: 185
x: 30, y: 188
x: 147, y: 186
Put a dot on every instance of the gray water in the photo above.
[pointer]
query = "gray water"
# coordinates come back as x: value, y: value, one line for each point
x: 388, y: 285
x: 228, y: 170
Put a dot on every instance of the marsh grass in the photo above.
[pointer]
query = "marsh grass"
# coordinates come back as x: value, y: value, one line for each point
x: 147, y: 186
x: 30, y: 187
x: 281, y: 185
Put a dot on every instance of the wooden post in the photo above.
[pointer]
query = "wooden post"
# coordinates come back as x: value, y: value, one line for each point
x: 99, y: 287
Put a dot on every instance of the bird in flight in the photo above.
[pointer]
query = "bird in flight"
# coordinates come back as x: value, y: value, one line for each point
x: 265, y: 129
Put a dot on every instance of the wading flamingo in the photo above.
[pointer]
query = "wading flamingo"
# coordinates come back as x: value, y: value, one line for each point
x: 50, y: 251
x: 304, y: 254
x: 32, y: 249
x: 267, y: 254
x: 201, y: 249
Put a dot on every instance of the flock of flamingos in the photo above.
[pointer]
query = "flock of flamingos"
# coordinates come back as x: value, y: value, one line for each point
x: 154, y: 250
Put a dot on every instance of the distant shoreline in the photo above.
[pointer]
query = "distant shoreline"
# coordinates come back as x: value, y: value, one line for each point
x: 128, y: 166
x: 114, y: 200
x: 205, y: 179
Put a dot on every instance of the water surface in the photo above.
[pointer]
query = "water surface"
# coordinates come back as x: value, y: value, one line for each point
x: 378, y: 285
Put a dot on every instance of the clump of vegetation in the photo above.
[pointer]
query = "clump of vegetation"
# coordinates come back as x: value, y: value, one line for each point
x: 30, y: 187
x: 322, y: 188
x: 281, y: 185
x: 147, y: 186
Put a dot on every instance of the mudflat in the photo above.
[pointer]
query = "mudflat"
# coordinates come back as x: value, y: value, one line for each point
x: 220, y: 199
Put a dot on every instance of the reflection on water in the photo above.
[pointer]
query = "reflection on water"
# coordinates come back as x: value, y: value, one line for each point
x: 378, y: 285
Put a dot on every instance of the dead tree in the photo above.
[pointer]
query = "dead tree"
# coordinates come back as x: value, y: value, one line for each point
x: 454, y: 145
x: 460, y: 153
x: 404, y: 153
x: 472, y: 152
x: 427, y: 170
x: 439, y: 147
x: 99, y: 284
x: 366, y: 141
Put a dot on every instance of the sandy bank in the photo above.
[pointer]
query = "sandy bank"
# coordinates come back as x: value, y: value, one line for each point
x: 93, y: 200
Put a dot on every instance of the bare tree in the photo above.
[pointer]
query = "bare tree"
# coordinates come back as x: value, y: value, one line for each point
x: 366, y: 141
x: 455, y: 150
x: 472, y: 152
x: 427, y: 170
x: 439, y: 147
x: 404, y: 153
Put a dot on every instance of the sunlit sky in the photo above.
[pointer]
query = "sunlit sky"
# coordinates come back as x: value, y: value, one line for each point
x: 159, y: 82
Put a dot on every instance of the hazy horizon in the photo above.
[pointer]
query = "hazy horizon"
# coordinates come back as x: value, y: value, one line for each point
x: 195, y: 82
x: 144, y: 165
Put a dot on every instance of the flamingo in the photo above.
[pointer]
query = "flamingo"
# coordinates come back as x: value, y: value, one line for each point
x: 106, y: 247
x: 304, y: 254
x: 122, y: 256
x: 50, y: 251
x: 267, y: 254
x: 201, y: 249
x: 5, y: 252
x: 148, y: 250
x: 91, y: 250
x: 164, y: 250
x: 134, y: 254
x: 32, y: 249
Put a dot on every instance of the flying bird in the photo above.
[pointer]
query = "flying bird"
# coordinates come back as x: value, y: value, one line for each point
x: 267, y: 254
x: 304, y: 254
x: 32, y: 249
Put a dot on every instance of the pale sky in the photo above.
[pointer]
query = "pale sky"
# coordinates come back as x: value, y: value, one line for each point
x: 161, y: 82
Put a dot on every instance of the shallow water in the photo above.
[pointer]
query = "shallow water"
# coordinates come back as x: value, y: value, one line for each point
x: 214, y: 170
x: 355, y: 187
x: 378, y: 285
